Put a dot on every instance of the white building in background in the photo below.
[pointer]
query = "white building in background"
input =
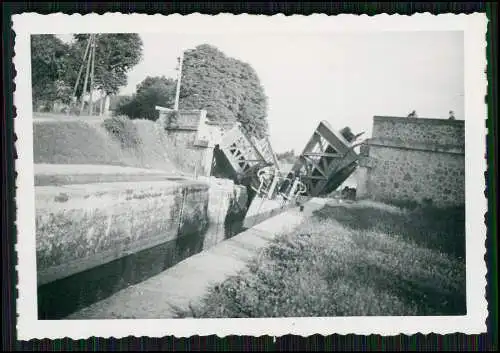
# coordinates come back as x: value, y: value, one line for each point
x: 107, y: 105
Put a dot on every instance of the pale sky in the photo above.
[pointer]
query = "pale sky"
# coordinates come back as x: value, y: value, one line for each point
x: 343, y: 78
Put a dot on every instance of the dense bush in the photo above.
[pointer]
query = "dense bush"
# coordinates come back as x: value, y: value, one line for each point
x: 123, y: 129
x: 151, y: 92
x: 116, y: 54
x: 227, y: 88
x: 49, y: 64
x: 287, y: 157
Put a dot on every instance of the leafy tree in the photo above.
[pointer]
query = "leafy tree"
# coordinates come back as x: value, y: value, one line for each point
x: 49, y: 64
x: 152, y: 91
x: 115, y: 55
x: 227, y: 88
x: 287, y: 156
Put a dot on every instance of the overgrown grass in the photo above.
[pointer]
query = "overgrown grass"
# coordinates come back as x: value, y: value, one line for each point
x: 74, y: 141
x: 352, y: 261
x: 132, y: 143
x: 124, y: 130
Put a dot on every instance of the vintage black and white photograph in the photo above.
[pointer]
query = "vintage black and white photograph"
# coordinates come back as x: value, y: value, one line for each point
x: 278, y: 171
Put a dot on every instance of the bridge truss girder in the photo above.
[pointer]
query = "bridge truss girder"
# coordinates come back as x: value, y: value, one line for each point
x: 327, y: 160
x: 243, y: 156
x: 325, y: 163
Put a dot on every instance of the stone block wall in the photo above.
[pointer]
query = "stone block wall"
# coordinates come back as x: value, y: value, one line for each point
x: 190, y: 118
x: 189, y: 139
x: 185, y: 155
x: 414, y: 161
x: 421, y: 130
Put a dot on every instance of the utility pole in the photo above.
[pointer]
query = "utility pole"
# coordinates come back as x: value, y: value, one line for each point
x: 91, y: 91
x: 80, y: 73
x: 177, y: 94
x: 86, y: 77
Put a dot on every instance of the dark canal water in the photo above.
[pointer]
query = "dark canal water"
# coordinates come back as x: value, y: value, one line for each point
x: 60, y: 298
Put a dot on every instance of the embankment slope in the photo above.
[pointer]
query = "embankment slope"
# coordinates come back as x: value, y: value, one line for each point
x: 86, y: 141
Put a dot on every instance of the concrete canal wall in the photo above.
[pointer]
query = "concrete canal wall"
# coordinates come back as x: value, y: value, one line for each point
x: 94, y: 239
x: 111, y: 212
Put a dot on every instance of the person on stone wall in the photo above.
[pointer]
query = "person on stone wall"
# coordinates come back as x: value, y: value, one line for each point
x: 345, y: 192
x: 352, y: 194
x: 452, y: 115
x: 348, y: 193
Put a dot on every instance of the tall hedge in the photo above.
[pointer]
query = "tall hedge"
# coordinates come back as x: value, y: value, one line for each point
x: 227, y: 88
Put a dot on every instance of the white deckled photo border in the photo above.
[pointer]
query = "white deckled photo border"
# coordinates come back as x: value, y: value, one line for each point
x: 474, y: 27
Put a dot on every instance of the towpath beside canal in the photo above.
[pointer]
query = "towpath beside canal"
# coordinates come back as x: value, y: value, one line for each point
x: 187, y: 282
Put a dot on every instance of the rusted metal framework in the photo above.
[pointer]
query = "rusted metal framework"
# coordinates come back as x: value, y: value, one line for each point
x: 265, y: 149
x: 239, y: 157
x: 325, y: 163
x: 327, y: 160
x: 273, y: 183
x: 241, y: 151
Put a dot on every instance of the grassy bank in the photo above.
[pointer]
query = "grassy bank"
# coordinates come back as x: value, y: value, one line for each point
x: 349, y: 261
x: 110, y: 141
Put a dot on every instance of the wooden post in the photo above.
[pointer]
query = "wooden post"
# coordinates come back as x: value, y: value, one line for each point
x: 86, y: 78
x: 91, y: 91
x: 80, y: 72
x: 177, y: 94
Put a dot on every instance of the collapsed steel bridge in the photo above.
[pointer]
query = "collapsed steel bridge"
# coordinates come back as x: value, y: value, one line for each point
x: 327, y: 160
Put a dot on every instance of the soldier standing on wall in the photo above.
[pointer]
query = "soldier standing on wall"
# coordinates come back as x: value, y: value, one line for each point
x: 413, y: 114
x: 345, y: 193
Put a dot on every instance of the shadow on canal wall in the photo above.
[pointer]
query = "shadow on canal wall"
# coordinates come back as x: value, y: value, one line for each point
x: 96, y: 239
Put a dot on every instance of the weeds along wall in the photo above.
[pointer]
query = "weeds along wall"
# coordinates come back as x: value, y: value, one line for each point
x: 414, y: 161
x: 110, y: 141
x: 102, y: 222
x: 123, y: 142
